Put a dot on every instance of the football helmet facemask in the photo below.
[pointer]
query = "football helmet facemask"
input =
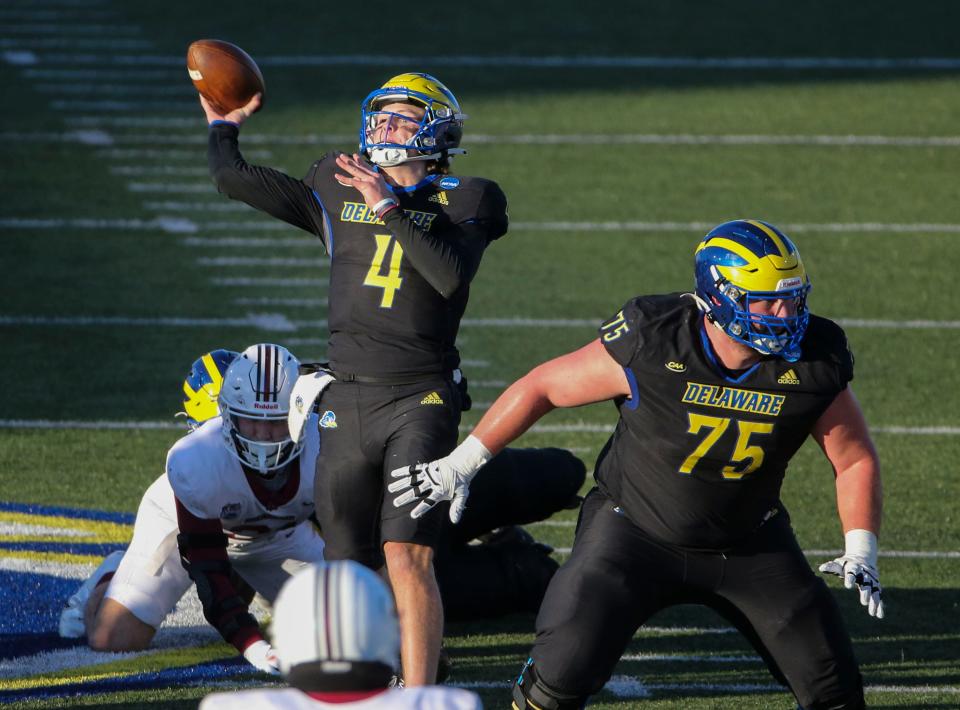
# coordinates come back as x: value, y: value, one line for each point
x: 743, y: 262
x: 257, y: 387
x: 336, y: 618
x: 202, y: 386
x: 437, y: 134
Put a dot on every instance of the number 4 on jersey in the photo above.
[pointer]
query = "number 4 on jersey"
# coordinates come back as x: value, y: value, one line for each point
x: 390, y: 281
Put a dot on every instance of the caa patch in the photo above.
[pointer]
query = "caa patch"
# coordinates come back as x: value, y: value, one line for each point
x: 328, y: 420
x: 449, y: 183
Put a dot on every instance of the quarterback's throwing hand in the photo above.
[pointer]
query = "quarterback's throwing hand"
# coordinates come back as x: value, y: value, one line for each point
x: 858, y: 566
x: 444, y: 479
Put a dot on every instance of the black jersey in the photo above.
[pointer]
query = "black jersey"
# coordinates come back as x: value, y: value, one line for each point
x: 398, y: 287
x: 698, y: 456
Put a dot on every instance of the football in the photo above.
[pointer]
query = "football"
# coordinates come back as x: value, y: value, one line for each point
x: 223, y: 73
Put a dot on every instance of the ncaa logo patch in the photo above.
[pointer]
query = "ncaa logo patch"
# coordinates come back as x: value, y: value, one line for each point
x: 328, y: 420
x: 449, y: 182
x: 230, y: 510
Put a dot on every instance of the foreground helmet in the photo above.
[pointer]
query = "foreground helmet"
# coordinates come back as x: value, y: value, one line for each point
x: 336, y: 619
x: 744, y: 261
x: 202, y: 386
x: 257, y: 386
x: 438, y: 134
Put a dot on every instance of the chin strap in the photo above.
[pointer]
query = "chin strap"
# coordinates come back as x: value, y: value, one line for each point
x: 390, y: 157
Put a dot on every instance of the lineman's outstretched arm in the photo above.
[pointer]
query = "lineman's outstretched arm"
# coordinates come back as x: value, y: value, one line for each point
x: 584, y: 376
x: 843, y: 435
x: 203, y: 552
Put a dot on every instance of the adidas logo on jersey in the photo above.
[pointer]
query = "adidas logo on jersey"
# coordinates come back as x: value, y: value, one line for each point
x: 440, y: 198
x: 789, y: 378
x: 432, y: 398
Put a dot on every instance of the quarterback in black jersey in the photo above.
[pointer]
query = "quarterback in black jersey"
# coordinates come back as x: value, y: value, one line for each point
x: 716, y: 391
x: 405, y: 239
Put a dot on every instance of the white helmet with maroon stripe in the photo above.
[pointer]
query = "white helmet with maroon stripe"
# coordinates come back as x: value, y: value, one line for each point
x: 336, y: 619
x: 257, y: 387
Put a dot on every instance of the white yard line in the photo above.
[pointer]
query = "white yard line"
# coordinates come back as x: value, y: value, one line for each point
x: 171, y: 188
x: 220, y: 261
x: 632, y: 226
x: 466, y: 323
x: 136, y: 91
x: 249, y: 242
x: 292, y: 302
x: 113, y: 105
x: 614, y: 139
x: 177, y: 225
x: 153, y: 170
x: 632, y: 687
x: 273, y: 282
x: 215, y: 205
x: 539, y: 429
x: 138, y: 75
x: 558, y: 62
x: 41, y: 43
x: 54, y: 14
x: 276, y: 322
x: 195, y: 123
x: 68, y: 28
x: 174, y: 154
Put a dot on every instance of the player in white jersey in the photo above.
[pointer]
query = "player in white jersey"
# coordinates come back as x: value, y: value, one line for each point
x: 234, y: 502
x: 120, y: 609
x: 335, y: 627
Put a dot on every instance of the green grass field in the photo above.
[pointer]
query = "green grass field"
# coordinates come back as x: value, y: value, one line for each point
x: 115, y: 278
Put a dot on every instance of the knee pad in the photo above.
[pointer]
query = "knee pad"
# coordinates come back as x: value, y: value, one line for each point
x: 531, y: 693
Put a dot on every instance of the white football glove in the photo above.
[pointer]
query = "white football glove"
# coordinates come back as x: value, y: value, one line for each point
x: 261, y: 655
x: 858, y: 565
x: 444, y: 479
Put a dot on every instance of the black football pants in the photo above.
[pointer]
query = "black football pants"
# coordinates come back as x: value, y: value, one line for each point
x: 617, y: 577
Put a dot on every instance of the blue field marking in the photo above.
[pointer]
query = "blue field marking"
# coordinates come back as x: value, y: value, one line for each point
x: 84, y: 513
x: 30, y: 603
x: 200, y: 674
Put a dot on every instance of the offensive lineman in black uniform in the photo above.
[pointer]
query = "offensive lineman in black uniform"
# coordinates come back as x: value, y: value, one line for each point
x: 405, y: 239
x: 716, y: 391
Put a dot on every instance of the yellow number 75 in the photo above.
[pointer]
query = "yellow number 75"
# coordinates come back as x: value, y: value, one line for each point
x: 742, y: 452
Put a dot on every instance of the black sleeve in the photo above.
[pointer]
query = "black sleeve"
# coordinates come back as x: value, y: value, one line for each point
x: 269, y: 190
x: 450, y: 259
x: 620, y: 334
x: 203, y: 553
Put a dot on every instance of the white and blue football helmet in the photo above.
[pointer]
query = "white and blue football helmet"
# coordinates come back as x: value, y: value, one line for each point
x: 438, y: 134
x: 744, y: 261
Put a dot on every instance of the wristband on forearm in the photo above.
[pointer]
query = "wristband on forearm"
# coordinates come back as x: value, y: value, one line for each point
x: 384, y: 206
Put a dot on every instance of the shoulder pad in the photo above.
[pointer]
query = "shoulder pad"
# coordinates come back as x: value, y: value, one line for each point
x: 191, y: 469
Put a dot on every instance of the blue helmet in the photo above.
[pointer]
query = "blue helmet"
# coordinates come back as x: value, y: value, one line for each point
x: 741, y: 262
x: 202, y: 385
x: 439, y: 131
